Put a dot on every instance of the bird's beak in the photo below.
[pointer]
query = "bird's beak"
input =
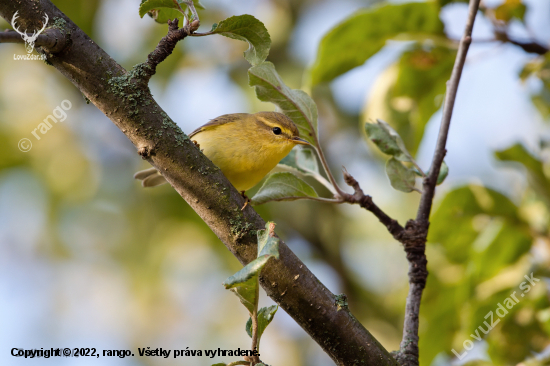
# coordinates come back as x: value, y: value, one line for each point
x: 300, y: 141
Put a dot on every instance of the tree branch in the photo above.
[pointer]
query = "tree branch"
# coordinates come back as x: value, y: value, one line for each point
x: 366, y: 202
x: 52, y: 39
x: 414, y: 235
x: 529, y: 47
x: 452, y: 87
x: 124, y: 98
x: 166, y: 46
x: 417, y: 231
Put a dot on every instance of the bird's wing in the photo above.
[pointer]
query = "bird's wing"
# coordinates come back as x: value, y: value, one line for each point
x: 221, y: 120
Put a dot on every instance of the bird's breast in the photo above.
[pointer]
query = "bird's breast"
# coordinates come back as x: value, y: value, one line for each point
x: 243, y: 159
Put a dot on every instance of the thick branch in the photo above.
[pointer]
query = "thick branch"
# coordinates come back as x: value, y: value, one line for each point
x: 124, y: 98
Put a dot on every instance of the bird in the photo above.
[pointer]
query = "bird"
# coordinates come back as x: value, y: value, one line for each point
x: 246, y: 147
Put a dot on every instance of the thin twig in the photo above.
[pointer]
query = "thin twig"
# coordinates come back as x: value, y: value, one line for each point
x: 450, y: 97
x: 417, y: 231
x: 528, y: 46
x: 166, y: 46
x: 366, y: 202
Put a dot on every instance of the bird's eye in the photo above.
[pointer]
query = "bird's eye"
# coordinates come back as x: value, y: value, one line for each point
x: 277, y: 130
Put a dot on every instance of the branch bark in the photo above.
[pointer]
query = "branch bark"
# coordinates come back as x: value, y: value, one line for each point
x: 123, y: 97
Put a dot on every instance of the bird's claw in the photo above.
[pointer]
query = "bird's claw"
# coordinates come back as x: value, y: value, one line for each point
x: 246, y: 200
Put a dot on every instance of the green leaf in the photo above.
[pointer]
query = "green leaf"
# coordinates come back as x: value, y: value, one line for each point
x: 401, y: 177
x: 245, y: 282
x: 219, y: 364
x: 163, y: 15
x: 268, y: 243
x: 535, y: 169
x: 307, y: 161
x: 302, y: 160
x: 249, y: 29
x: 296, y: 104
x: 442, y: 3
x: 160, y: 10
x: 198, y: 4
x: 510, y: 9
x: 290, y: 159
x: 362, y: 35
x: 163, y: 10
x: 443, y: 173
x: 149, y: 5
x: 279, y: 186
x: 265, y: 316
x: 387, y: 140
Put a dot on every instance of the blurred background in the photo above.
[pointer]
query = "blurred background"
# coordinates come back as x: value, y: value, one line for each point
x: 88, y: 258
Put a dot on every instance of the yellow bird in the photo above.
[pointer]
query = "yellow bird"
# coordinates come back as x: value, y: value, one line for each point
x: 244, y: 146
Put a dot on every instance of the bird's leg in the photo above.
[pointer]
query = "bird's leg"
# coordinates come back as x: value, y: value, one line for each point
x: 246, y: 200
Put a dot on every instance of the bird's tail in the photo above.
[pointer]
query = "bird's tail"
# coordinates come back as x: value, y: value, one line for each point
x: 150, y: 177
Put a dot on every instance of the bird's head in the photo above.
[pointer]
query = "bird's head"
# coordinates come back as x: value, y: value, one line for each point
x: 278, y: 130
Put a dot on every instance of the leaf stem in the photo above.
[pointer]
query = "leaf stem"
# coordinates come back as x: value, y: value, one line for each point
x: 255, y: 341
x: 191, y: 6
x: 254, y: 316
x: 323, y: 160
x: 295, y: 198
x: 201, y: 34
x: 179, y: 8
x: 418, y: 167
